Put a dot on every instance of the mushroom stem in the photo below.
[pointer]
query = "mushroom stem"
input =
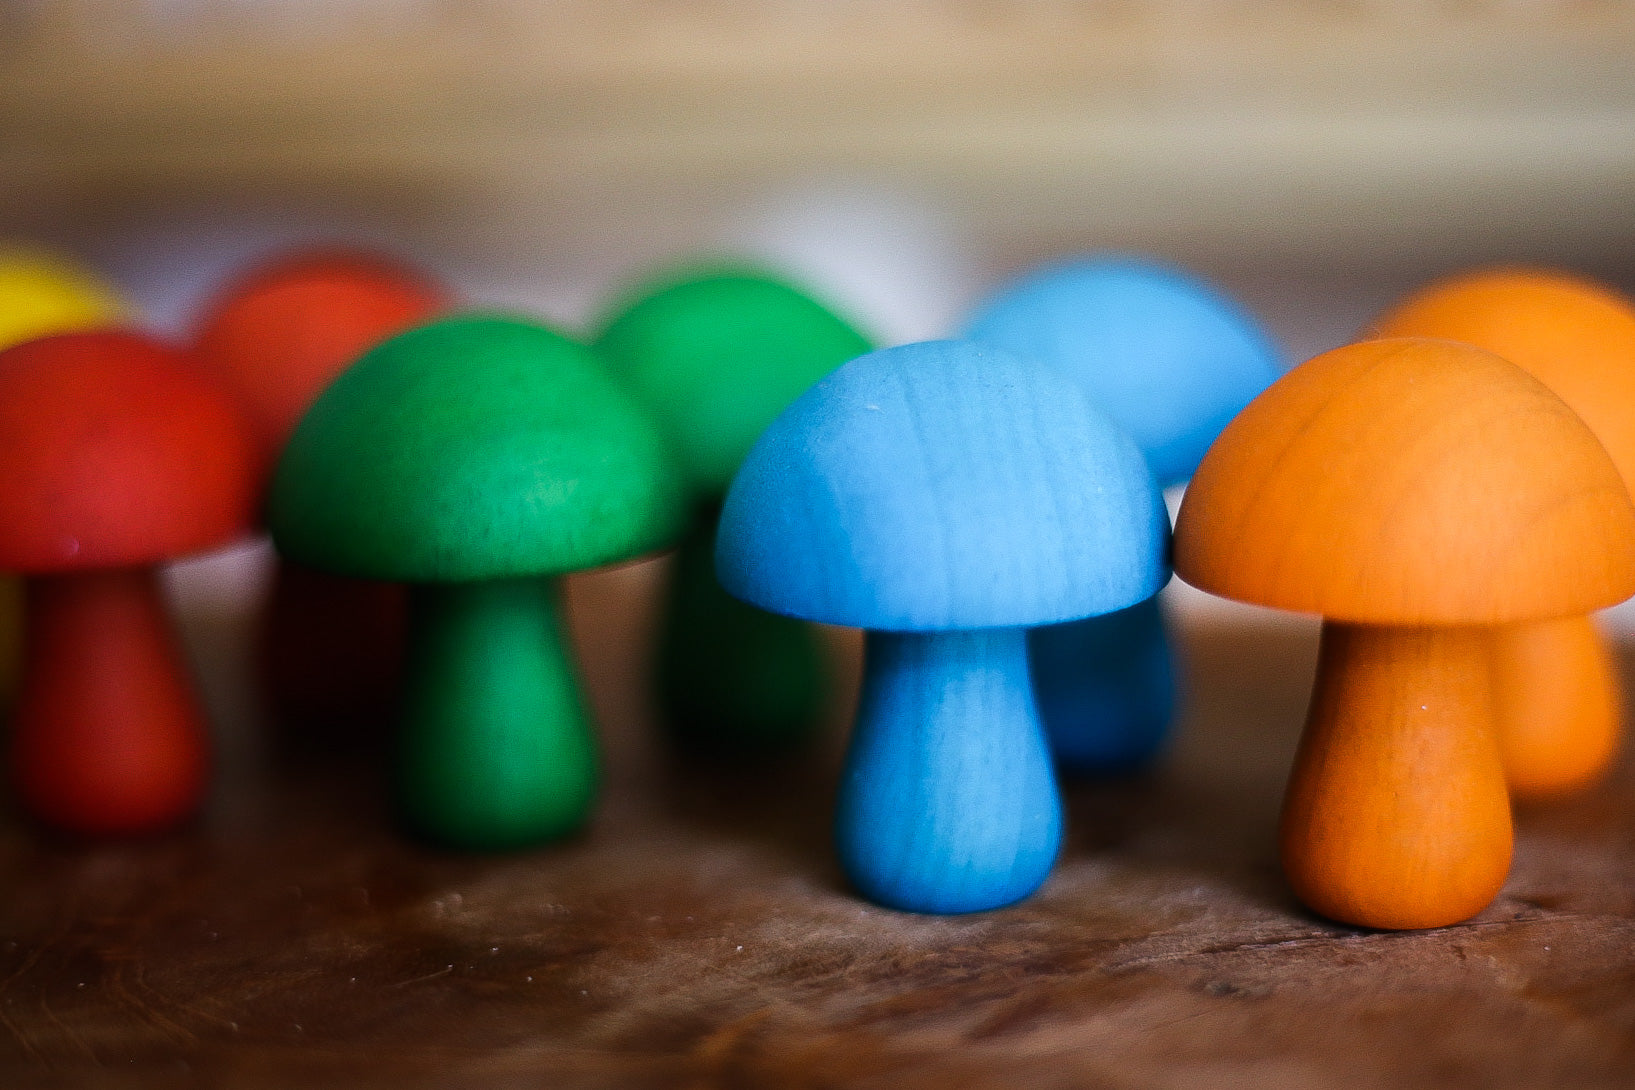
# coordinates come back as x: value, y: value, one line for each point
x: 948, y: 801
x: 1558, y: 702
x: 496, y: 750
x: 332, y: 651
x: 1397, y: 814
x: 108, y: 737
x: 11, y: 637
x: 1106, y: 689
x: 734, y: 681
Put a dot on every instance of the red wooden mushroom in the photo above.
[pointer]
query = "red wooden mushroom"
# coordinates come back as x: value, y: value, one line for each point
x: 281, y: 333
x: 117, y: 456
x: 331, y: 648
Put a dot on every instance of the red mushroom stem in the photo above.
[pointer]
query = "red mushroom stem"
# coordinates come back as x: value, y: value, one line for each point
x: 332, y: 653
x: 107, y: 736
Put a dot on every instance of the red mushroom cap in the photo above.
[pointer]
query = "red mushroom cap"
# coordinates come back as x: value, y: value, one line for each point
x: 116, y: 453
x: 278, y: 336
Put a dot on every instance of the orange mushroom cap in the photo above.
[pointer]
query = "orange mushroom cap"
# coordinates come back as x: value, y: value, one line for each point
x: 1409, y: 481
x: 1575, y: 336
x: 277, y: 337
x: 115, y: 453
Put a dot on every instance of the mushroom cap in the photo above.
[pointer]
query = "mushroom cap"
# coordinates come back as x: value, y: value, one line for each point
x: 278, y: 335
x: 41, y: 294
x: 1169, y: 357
x: 1575, y: 336
x: 476, y: 447
x: 716, y: 355
x: 116, y: 453
x: 940, y: 486
x: 1409, y: 481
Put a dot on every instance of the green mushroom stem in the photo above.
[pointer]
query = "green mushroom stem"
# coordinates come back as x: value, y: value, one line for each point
x: 497, y: 751
x: 733, y: 680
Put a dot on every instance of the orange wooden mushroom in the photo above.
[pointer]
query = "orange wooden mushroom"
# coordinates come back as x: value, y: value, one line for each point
x: 1557, y: 689
x: 332, y: 648
x: 117, y: 456
x: 1408, y: 491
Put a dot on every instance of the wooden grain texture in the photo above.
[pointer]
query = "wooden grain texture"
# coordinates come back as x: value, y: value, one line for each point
x: 940, y: 486
x: 699, y: 936
x: 1388, y: 484
x: 1572, y: 334
x: 1409, y: 481
x: 948, y: 802
x: 1396, y: 814
x: 944, y: 495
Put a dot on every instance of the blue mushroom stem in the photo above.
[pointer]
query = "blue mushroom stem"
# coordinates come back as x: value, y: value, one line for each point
x: 949, y: 801
x: 1106, y: 689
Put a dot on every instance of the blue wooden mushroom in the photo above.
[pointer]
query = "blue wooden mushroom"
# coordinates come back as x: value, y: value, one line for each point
x: 945, y: 496
x: 1172, y: 361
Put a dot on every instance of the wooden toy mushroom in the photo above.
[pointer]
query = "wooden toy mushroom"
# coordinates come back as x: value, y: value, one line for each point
x: 474, y: 458
x: 331, y: 648
x: 40, y: 294
x: 1171, y: 359
x: 1414, y: 493
x: 117, y: 456
x: 1559, y: 701
x: 944, y: 496
x: 715, y: 356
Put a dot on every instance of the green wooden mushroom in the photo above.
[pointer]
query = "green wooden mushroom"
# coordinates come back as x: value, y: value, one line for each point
x: 716, y: 355
x: 474, y: 458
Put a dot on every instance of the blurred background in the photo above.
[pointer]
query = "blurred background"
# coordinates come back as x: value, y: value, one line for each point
x: 1317, y: 159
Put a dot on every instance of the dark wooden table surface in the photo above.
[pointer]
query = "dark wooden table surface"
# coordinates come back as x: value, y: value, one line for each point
x: 700, y: 935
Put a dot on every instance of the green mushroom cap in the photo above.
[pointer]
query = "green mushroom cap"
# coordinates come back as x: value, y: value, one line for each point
x: 717, y: 355
x: 476, y: 447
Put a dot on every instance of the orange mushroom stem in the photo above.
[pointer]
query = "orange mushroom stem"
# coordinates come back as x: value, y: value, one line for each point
x: 1396, y: 814
x: 1558, y: 703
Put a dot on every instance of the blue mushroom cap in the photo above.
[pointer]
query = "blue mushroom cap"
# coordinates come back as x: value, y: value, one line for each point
x: 941, y: 486
x: 1167, y: 356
